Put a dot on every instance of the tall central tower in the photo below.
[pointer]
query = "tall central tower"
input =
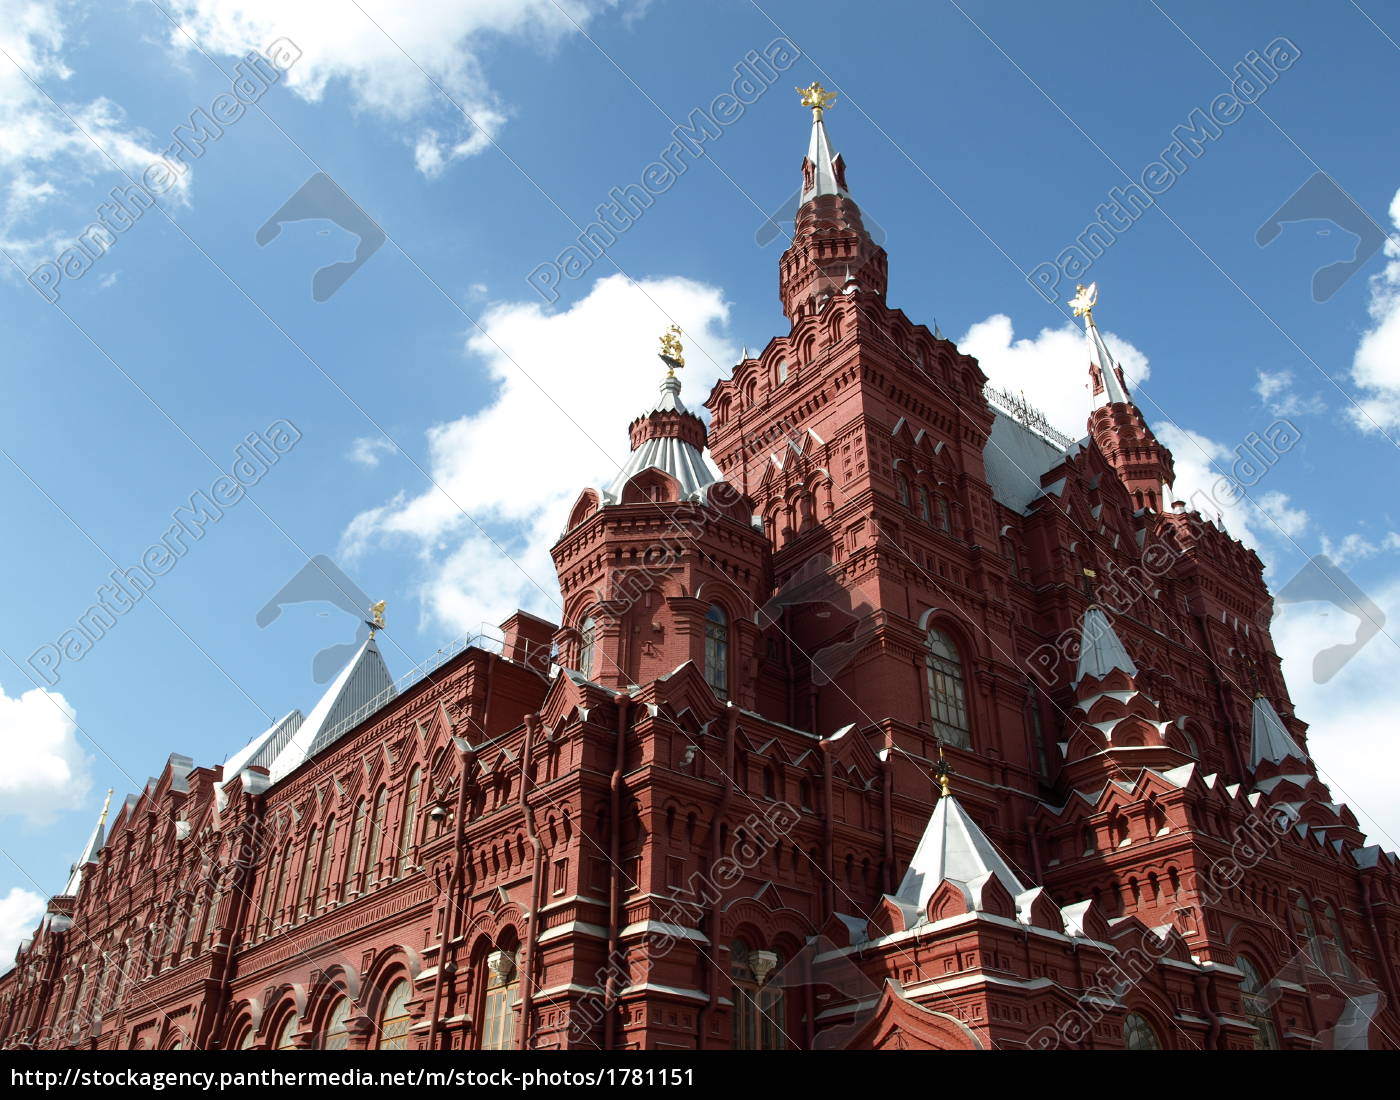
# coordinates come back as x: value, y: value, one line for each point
x: 859, y: 436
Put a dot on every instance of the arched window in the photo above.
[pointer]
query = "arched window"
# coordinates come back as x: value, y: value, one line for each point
x: 352, y: 851
x: 323, y: 873
x: 502, y: 981
x: 902, y: 484
x: 394, y: 1017
x: 286, y: 1034
x: 337, y: 1036
x: 409, y: 825
x: 585, y: 646
x: 924, y: 513
x: 758, y: 1008
x: 782, y: 371
x: 1255, y: 1004
x: 1337, y: 949
x: 245, y: 1041
x: 376, y: 835
x: 717, y: 651
x: 945, y: 690
x: 1307, y: 928
x: 945, y: 516
x: 308, y: 873
x: 1138, y: 1034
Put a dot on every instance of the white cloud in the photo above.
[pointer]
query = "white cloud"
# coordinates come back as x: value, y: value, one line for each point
x: 41, y: 152
x: 1287, y: 520
x: 1211, y: 478
x: 46, y: 770
x: 517, y: 464
x: 1052, y: 369
x: 379, y: 66
x: 20, y: 911
x: 1358, y: 546
x: 368, y: 450
x: 1376, y: 366
x: 1353, y: 725
x: 1276, y: 389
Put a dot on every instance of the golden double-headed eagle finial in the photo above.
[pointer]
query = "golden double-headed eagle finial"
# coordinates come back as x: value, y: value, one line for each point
x: 817, y: 98
x: 672, y: 350
x: 376, y: 611
x: 1084, y: 300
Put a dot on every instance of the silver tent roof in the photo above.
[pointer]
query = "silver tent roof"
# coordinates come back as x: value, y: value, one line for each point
x: 689, y: 466
x: 1100, y: 650
x: 952, y: 847
x: 1269, y: 738
x: 362, y: 686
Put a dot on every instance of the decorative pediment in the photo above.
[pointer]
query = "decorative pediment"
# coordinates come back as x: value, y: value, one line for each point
x: 900, y: 1023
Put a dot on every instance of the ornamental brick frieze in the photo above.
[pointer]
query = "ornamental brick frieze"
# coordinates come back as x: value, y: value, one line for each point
x: 392, y: 904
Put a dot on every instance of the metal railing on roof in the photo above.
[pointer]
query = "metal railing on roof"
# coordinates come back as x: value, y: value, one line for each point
x: 488, y: 638
x: 1022, y: 411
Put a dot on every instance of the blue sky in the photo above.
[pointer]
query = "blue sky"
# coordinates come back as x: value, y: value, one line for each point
x: 446, y: 412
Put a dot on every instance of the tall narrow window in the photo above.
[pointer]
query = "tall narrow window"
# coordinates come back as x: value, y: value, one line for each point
x: 502, y: 983
x: 282, y: 896
x: 1138, y: 1034
x: 717, y: 651
x: 924, y: 513
x: 394, y: 1018
x: 308, y: 873
x: 323, y: 873
x: 902, y: 484
x: 1337, y: 949
x: 945, y: 690
x: 409, y: 825
x: 758, y: 1008
x: 352, y: 851
x: 1255, y: 1004
x: 945, y: 516
x: 1307, y: 928
x: 585, y: 646
x: 376, y: 835
x: 782, y: 371
x: 337, y: 1035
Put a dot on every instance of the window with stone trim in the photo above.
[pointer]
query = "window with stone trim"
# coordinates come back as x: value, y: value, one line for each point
x: 946, y: 691
x: 286, y: 1034
x: 501, y: 979
x: 586, y: 632
x: 717, y: 650
x: 394, y: 1017
x: 759, y: 1004
x: 1254, y: 1004
x: 352, y: 850
x: 336, y: 1035
x: 1138, y: 1034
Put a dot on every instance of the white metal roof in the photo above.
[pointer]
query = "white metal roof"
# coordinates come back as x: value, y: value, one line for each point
x: 952, y: 847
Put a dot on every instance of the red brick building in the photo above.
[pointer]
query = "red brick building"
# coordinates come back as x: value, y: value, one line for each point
x: 704, y: 810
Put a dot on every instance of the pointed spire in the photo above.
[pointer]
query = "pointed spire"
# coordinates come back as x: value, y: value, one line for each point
x: 1100, y: 649
x: 822, y: 171
x: 1269, y: 737
x: 952, y: 847
x: 90, y: 849
x: 1109, y: 387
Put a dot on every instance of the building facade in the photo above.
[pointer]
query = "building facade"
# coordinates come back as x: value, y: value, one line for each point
x: 879, y: 715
